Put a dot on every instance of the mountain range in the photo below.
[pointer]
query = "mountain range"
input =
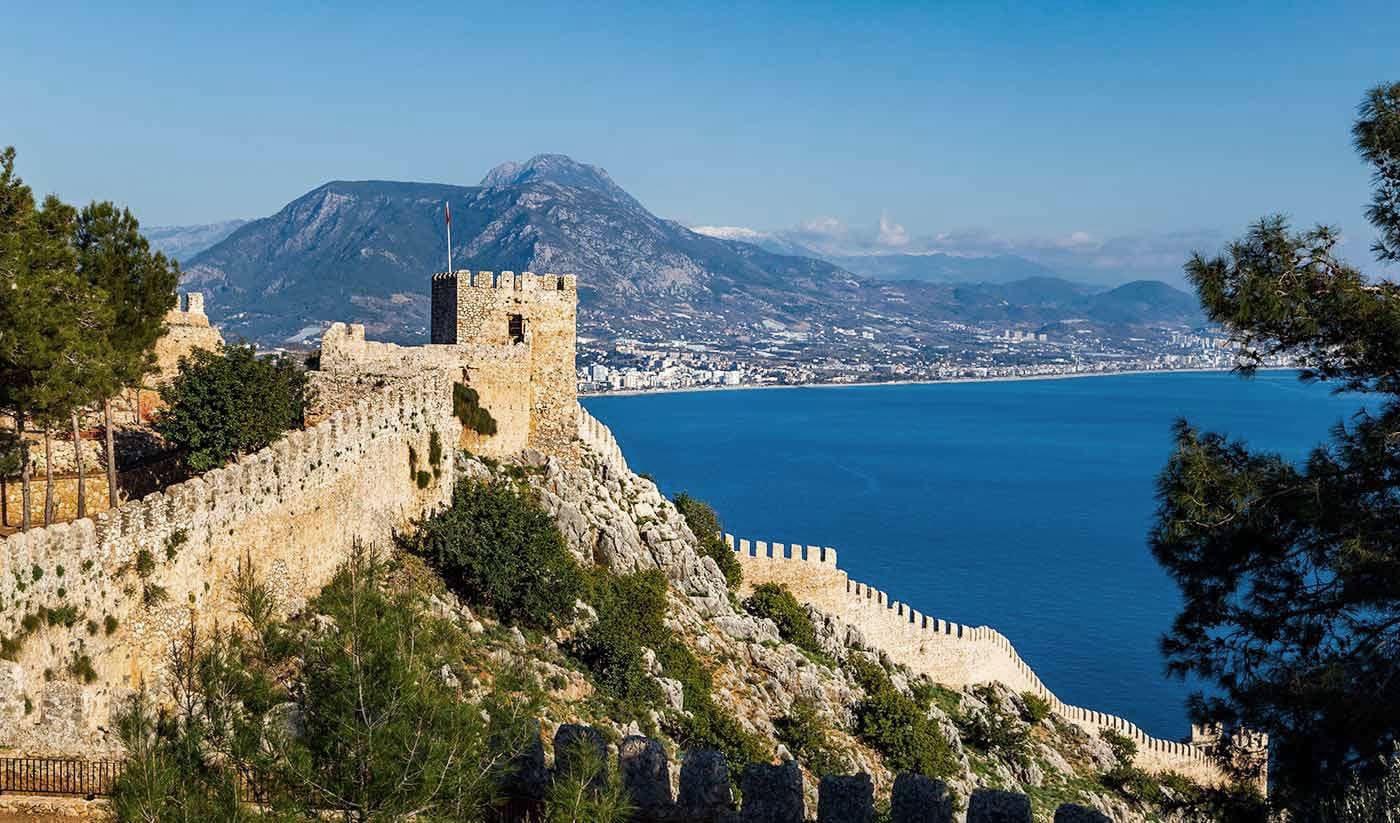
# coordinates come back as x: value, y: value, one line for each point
x: 363, y: 251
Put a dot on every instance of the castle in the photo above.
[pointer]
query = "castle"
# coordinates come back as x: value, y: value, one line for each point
x: 360, y: 471
x: 509, y: 337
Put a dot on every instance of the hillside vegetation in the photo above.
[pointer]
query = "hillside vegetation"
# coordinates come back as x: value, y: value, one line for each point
x: 425, y: 678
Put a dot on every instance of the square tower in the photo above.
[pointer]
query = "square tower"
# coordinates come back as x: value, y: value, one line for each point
x: 538, y: 312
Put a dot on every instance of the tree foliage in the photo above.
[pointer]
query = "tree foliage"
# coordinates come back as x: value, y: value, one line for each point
x: 1290, y: 572
x: 348, y: 716
x: 499, y: 549
x: 703, y: 521
x: 230, y: 402
x: 777, y: 603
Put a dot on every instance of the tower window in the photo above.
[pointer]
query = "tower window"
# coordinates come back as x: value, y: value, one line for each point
x: 517, y: 328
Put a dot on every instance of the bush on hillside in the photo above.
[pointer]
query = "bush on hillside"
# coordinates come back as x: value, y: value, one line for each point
x: 499, y: 549
x: 804, y: 731
x: 994, y: 730
x: 230, y: 402
x: 1037, y: 710
x: 381, y: 735
x: 898, y: 726
x: 777, y: 603
x: 631, y: 616
x: 703, y: 521
x: 466, y: 405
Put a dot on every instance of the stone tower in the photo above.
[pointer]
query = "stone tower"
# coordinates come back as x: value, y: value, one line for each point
x: 537, y: 312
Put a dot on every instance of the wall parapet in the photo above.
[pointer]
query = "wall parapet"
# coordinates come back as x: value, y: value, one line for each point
x: 952, y: 653
x: 600, y: 439
x: 509, y: 280
x: 293, y: 509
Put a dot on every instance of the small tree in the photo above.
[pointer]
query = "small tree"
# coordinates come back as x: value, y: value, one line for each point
x: 704, y: 523
x: 500, y: 549
x: 230, y: 402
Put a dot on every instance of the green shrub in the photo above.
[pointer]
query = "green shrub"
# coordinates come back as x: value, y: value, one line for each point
x: 174, y: 541
x: 631, y: 616
x: 775, y: 602
x: 1038, y: 709
x: 994, y: 730
x: 81, y: 668
x: 805, y: 733
x: 230, y: 402
x: 109, y: 625
x: 498, y: 548
x: 65, y: 616
x: 466, y: 405
x: 424, y: 479
x: 897, y: 726
x: 703, y: 521
x: 435, y: 451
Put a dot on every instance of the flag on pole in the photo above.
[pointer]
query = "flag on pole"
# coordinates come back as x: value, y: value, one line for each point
x: 447, y: 208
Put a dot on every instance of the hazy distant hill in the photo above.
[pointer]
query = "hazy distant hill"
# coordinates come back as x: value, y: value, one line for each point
x: 184, y: 242
x: 364, y: 251
x: 943, y: 268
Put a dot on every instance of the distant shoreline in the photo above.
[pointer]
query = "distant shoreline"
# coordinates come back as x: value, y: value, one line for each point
x: 947, y: 381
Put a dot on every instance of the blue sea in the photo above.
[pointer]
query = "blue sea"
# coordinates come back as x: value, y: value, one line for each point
x: 1022, y: 505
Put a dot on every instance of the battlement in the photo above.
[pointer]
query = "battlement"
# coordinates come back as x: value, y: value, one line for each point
x: 293, y: 510
x: 188, y: 311
x: 954, y: 653
x: 508, y: 280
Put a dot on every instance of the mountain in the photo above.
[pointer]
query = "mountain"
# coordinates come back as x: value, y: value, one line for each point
x: 1145, y: 301
x: 363, y: 251
x: 184, y: 242
x: 943, y: 268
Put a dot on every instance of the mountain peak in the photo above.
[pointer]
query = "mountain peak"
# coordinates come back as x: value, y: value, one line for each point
x: 553, y: 168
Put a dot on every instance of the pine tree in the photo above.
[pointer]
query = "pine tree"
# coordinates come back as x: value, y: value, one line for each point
x: 45, y: 315
x: 1290, y: 573
x: 115, y: 259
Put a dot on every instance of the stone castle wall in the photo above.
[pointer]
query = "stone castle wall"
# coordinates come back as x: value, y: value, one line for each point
x: 950, y: 653
x: 477, y: 308
x: 292, y: 511
x: 351, y: 366
x: 187, y: 328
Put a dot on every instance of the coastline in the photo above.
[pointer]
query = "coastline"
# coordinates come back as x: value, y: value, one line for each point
x: 947, y: 381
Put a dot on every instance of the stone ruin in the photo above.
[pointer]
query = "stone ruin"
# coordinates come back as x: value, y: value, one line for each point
x: 770, y: 793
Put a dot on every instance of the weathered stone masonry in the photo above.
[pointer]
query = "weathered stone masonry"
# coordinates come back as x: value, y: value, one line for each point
x: 950, y: 653
x: 292, y: 510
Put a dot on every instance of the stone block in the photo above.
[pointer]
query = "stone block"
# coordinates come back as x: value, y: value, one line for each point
x: 580, y: 750
x: 704, y: 791
x: 1071, y: 813
x: 919, y: 799
x: 846, y: 799
x: 993, y: 806
x: 645, y: 774
x: 772, y: 794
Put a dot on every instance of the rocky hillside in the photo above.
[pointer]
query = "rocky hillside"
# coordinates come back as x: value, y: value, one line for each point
x: 813, y: 705
x: 362, y: 251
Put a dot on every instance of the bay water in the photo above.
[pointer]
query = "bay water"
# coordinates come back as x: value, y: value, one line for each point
x: 1022, y: 505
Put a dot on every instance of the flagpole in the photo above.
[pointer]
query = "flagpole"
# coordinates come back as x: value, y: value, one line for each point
x: 448, y: 207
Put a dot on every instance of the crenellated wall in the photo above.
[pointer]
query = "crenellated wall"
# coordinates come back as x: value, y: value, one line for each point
x: 950, y: 653
x: 600, y: 438
x: 128, y: 582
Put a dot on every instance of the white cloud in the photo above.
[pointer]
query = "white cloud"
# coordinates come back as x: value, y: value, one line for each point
x: 891, y: 233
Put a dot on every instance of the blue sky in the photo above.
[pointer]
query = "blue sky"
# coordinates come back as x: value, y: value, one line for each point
x: 1026, y: 126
